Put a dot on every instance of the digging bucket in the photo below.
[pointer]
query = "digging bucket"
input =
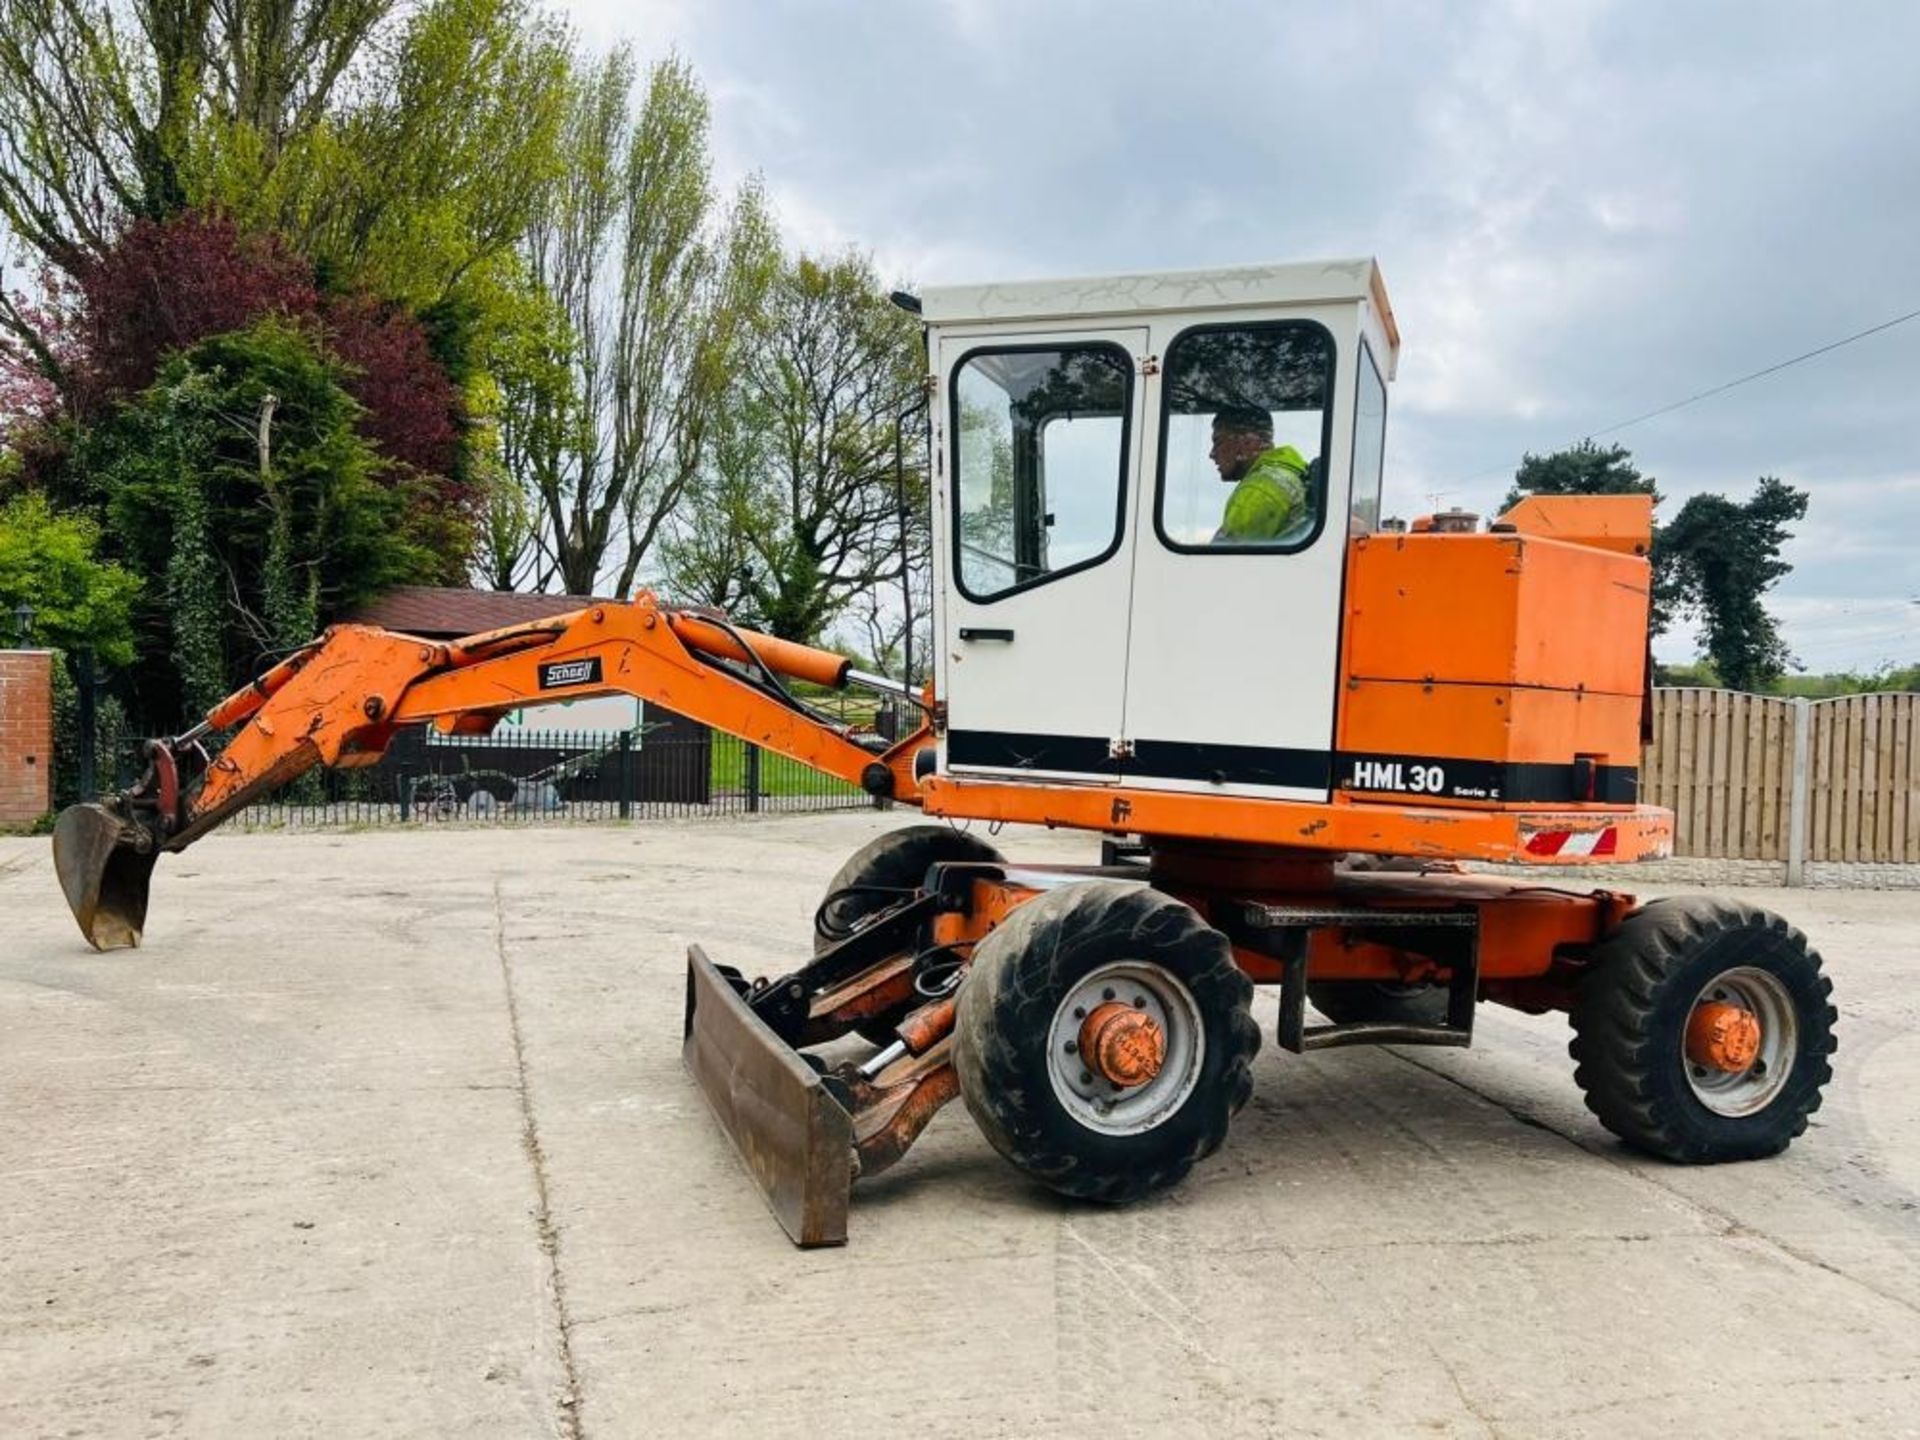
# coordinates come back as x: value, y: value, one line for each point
x: 105, y: 867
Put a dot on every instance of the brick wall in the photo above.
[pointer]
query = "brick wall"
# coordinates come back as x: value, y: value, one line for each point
x: 26, y: 736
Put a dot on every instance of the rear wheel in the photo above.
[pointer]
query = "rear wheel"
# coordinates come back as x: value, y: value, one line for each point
x: 1703, y: 1030
x: 878, y: 876
x: 1104, y: 1039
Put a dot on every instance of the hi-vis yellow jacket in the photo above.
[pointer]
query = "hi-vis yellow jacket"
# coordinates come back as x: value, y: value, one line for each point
x: 1270, y: 497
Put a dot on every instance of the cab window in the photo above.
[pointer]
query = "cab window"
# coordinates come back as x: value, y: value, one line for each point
x: 1040, y: 451
x: 1245, y: 427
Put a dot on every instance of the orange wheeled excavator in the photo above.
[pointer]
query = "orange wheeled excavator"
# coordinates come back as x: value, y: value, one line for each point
x: 1293, y: 738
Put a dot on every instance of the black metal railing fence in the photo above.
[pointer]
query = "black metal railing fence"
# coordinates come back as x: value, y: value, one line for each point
x: 516, y: 776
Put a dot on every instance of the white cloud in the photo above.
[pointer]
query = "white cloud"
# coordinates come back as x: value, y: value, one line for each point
x: 1586, y: 209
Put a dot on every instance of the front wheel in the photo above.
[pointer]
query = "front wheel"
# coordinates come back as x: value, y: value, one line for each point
x: 882, y: 873
x: 1104, y: 1039
x: 1702, y: 1031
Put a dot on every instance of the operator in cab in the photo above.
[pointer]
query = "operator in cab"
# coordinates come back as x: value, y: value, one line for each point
x: 1269, y: 481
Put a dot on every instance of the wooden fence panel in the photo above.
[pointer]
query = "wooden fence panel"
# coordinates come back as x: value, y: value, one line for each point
x: 1723, y: 763
x: 1892, y: 777
x: 1871, y: 800
x: 1866, y: 782
x: 1719, y: 785
x: 1776, y: 750
x: 1906, y: 766
x: 1849, y: 746
x: 1832, y: 718
x: 1831, y: 722
x: 1824, y: 802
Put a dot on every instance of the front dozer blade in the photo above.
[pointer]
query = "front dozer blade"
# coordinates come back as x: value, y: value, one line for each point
x: 104, y: 873
x: 794, y: 1137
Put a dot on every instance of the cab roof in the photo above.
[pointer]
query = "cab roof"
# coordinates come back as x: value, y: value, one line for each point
x: 1244, y: 286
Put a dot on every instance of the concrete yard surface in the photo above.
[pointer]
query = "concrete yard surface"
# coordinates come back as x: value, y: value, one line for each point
x: 386, y: 1134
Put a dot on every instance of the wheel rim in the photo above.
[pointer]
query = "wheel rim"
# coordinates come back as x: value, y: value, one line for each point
x: 1717, y: 1038
x: 1081, y: 1084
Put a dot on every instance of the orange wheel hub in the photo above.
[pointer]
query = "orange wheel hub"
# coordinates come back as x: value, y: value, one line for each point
x: 1723, y: 1037
x: 1123, y: 1045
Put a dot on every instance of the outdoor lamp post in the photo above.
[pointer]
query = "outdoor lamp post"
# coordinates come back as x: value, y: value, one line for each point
x: 23, y: 619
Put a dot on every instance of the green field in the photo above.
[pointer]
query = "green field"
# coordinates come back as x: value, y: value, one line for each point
x: 778, y: 774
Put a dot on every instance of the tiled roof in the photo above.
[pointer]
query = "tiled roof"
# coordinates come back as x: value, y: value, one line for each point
x: 445, y: 613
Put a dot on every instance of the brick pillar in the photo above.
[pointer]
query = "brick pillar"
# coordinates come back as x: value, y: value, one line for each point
x: 26, y: 736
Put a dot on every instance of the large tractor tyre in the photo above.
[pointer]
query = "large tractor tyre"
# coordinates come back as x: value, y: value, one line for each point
x: 1702, y: 1031
x: 1352, y: 1002
x: 880, y: 874
x: 1104, y: 1039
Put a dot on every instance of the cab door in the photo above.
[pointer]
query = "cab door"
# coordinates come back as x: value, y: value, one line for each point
x: 1234, y: 641
x: 1036, y: 445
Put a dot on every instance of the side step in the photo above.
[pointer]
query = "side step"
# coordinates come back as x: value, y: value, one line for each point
x: 1282, y: 930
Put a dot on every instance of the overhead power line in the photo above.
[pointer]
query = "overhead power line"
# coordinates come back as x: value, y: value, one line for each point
x: 1871, y: 612
x: 1761, y: 374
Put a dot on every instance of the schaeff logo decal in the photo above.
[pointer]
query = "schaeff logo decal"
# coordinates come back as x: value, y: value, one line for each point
x: 563, y: 674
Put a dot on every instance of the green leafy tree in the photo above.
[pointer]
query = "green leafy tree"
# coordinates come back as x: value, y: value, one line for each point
x: 101, y: 102
x: 1883, y: 680
x: 605, y: 419
x: 400, y: 149
x: 50, y: 561
x: 813, y: 498
x: 244, y: 495
x: 418, y: 184
x: 1583, y: 469
x: 530, y: 408
x: 708, y: 552
x: 1716, y: 561
x: 114, y: 742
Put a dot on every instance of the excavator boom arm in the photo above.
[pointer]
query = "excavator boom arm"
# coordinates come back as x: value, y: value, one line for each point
x: 339, y: 701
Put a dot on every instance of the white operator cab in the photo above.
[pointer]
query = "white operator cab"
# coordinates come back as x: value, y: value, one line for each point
x: 1092, y: 624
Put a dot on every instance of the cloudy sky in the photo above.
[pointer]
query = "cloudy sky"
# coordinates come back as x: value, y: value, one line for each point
x: 1584, y: 210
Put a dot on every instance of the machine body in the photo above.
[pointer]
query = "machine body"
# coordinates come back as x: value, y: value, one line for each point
x: 1291, y: 740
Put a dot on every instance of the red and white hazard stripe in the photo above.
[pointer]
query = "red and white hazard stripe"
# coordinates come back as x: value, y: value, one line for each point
x: 1573, y: 844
